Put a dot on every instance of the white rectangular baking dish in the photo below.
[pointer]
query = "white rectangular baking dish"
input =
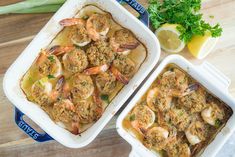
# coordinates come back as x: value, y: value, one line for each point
x: 205, y: 74
x: 11, y: 82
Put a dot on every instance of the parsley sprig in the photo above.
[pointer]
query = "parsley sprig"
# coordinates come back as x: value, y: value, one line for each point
x: 183, y: 12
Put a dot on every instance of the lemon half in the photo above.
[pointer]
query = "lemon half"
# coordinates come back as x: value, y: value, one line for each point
x: 201, y: 46
x: 169, y: 39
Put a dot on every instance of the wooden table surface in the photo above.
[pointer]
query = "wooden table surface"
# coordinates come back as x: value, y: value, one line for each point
x: 16, y: 32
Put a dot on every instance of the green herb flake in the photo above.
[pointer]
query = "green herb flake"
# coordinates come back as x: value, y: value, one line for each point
x: 211, y: 16
x: 132, y: 117
x: 50, y: 76
x: 85, y: 17
x: 183, y: 12
x: 30, y: 79
x: 84, y: 83
x: 105, y: 98
x: 218, y: 123
x: 40, y: 83
x: 51, y: 58
x: 181, y: 113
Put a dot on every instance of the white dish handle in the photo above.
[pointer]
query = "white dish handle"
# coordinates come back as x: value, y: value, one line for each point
x: 215, y: 75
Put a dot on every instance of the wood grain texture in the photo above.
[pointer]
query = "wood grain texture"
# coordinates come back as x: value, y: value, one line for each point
x: 16, y: 31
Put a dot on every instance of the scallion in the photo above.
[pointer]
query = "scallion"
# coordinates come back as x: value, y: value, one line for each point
x: 40, y: 9
x: 21, y: 6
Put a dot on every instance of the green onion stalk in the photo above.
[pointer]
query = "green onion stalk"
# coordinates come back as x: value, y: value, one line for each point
x: 32, y: 6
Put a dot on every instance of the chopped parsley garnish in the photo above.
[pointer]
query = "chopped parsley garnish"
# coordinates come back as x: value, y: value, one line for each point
x: 85, y: 17
x: 105, y: 98
x: 51, y: 58
x: 181, y: 113
x: 30, y: 79
x: 50, y: 76
x: 84, y: 83
x: 218, y: 123
x: 183, y: 12
x: 132, y: 117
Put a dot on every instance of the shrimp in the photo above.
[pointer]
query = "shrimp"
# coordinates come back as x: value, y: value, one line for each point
x: 43, y: 92
x: 79, y: 33
x: 48, y: 64
x: 74, y: 59
x: 79, y: 36
x: 72, y: 21
x: 142, y: 117
x: 65, y: 116
x: 212, y: 114
x: 79, y: 86
x: 96, y: 70
x: 60, y: 50
x: 123, y: 41
x: 195, y: 132
x: 156, y: 138
x: 98, y: 26
x: 179, y: 118
x: 88, y: 110
x: 184, y: 150
x: 157, y: 100
x: 119, y: 76
x: 175, y: 82
x: 100, y: 53
x: 106, y: 82
x: 179, y: 149
x: 195, y: 101
x: 123, y: 68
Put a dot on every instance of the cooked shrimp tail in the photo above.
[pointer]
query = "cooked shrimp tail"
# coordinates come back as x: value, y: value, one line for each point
x: 96, y: 97
x: 72, y: 21
x: 58, y: 89
x: 75, y: 128
x: 130, y: 45
x: 135, y: 124
x: 66, y: 90
x: 42, y: 57
x: 119, y: 76
x: 53, y: 49
x: 96, y: 70
x: 123, y: 41
x: 69, y: 105
x: 99, y: 109
x: 60, y: 83
x: 191, y: 88
x: 58, y: 50
x: 160, y: 117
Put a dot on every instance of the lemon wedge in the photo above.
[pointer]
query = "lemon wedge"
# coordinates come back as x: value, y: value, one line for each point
x: 169, y: 39
x: 201, y: 46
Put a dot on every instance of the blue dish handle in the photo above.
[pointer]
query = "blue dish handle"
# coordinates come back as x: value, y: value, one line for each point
x: 144, y: 16
x: 28, y: 129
